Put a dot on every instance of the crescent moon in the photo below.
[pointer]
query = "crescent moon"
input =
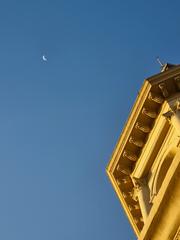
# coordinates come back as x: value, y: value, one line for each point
x: 44, y: 58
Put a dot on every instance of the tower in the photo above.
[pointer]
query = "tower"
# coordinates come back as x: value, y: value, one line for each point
x: 145, y: 166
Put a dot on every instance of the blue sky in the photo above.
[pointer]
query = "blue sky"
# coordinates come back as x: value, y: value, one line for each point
x: 60, y: 119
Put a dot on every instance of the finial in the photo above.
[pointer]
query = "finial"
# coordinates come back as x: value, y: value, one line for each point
x: 159, y: 61
x: 164, y: 66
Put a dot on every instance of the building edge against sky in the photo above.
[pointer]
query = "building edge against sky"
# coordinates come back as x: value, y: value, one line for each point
x: 145, y: 165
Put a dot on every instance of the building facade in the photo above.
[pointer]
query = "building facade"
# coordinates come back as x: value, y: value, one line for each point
x: 145, y: 165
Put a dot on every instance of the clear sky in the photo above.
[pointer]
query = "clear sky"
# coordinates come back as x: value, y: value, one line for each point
x: 60, y: 119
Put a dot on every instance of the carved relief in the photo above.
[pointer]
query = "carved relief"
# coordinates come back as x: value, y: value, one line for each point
x: 174, y: 109
x: 131, y: 156
x: 126, y: 180
x: 123, y: 165
x: 118, y: 182
x: 123, y: 169
x: 168, y: 115
x: 138, y: 185
x: 118, y: 168
x: 137, y: 220
x: 149, y: 113
x: 163, y: 89
x: 143, y: 128
x: 135, y: 210
x: 127, y: 195
x: 176, y: 106
x: 123, y: 186
x: 154, y: 97
x: 136, y: 142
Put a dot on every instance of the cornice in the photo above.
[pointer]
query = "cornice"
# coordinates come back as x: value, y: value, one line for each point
x: 129, y: 126
x: 134, y: 138
x: 157, y: 78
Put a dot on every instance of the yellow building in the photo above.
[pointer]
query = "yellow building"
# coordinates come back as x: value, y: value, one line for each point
x: 145, y: 165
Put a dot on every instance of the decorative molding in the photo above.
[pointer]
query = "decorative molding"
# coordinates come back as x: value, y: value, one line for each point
x: 149, y: 113
x: 138, y: 143
x: 163, y: 89
x: 143, y: 128
x: 123, y: 169
x: 138, y: 184
x: 125, y: 180
x: 131, y: 156
x: 127, y: 194
x: 168, y: 115
x: 118, y: 182
x: 127, y: 155
x: 176, y: 106
x: 156, y: 98
x: 174, y: 109
x: 135, y: 209
x: 137, y: 220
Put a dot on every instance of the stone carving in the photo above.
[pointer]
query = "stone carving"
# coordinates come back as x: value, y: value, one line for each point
x: 149, y: 113
x: 141, y: 195
x: 138, y: 185
x: 163, y: 89
x: 122, y: 169
x: 168, y: 115
x: 131, y: 207
x: 136, y: 220
x: 177, y: 81
x: 126, y: 180
x: 125, y: 195
x: 174, y: 109
x: 136, y: 206
x: 154, y: 97
x: 130, y: 156
x: 136, y: 142
x: 118, y: 182
x: 118, y: 168
x: 135, y: 211
x: 176, y: 106
x: 144, y: 129
x: 124, y: 186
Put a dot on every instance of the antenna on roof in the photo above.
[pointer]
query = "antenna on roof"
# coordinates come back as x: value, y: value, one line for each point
x: 159, y: 61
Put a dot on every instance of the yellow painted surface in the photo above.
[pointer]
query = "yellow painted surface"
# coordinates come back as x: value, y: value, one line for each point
x: 144, y: 169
